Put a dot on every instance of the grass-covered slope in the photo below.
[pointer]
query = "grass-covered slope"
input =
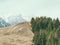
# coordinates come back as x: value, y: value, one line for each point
x: 19, y: 34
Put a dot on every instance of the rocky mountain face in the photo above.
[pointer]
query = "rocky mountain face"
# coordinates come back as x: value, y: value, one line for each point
x: 13, y: 20
x: 19, y: 34
x: 3, y: 23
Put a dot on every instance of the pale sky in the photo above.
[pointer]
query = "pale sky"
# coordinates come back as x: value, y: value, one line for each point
x: 30, y: 8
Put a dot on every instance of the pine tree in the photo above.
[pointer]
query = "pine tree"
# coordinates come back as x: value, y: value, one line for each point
x: 46, y: 31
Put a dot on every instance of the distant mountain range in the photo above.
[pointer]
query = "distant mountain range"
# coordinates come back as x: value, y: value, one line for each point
x: 16, y: 19
x: 3, y: 23
x: 12, y: 20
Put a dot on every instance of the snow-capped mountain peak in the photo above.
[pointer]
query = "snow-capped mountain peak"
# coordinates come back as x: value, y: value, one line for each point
x: 16, y: 19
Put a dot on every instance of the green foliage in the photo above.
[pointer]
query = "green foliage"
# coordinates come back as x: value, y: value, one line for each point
x: 46, y: 31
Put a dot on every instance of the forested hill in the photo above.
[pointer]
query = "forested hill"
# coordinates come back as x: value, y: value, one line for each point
x: 46, y: 31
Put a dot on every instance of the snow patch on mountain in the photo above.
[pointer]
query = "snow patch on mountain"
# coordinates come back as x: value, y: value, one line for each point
x: 16, y: 19
x: 3, y: 23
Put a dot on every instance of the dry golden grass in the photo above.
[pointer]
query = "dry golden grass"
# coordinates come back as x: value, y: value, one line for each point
x: 19, y: 34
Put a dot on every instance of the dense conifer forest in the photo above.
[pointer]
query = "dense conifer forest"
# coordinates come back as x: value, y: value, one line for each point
x: 46, y: 31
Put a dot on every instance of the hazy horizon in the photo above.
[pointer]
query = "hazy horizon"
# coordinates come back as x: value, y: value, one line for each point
x: 30, y: 8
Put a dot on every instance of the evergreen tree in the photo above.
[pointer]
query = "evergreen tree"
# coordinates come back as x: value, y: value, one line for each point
x: 46, y: 31
x: 33, y: 23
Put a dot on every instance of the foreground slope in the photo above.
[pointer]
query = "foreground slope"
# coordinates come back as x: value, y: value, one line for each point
x: 19, y: 34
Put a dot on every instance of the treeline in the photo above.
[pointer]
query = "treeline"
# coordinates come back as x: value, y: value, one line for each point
x: 46, y: 31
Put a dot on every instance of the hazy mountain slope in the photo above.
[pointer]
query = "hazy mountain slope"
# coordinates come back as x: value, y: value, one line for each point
x: 16, y: 19
x: 20, y: 34
x: 3, y: 23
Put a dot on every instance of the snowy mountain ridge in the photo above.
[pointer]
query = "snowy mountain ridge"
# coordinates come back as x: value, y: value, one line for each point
x: 16, y: 19
x: 12, y: 20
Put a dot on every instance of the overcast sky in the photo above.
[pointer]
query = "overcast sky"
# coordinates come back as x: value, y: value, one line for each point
x: 30, y: 8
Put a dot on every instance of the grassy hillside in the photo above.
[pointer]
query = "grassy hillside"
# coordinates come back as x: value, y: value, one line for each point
x: 19, y: 34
